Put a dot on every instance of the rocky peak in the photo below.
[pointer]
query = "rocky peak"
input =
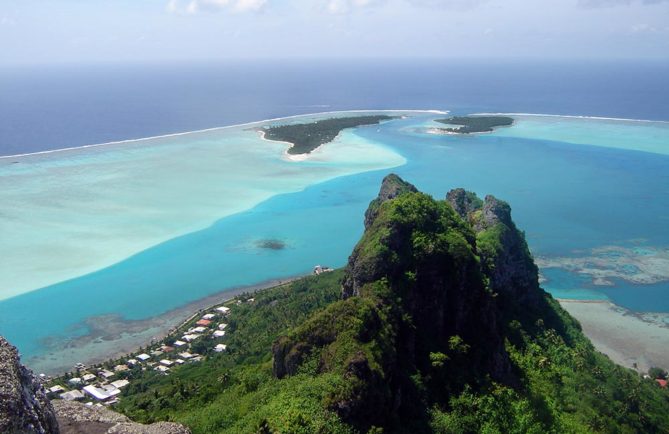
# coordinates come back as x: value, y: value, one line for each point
x: 24, y: 407
x: 494, y: 211
x: 505, y: 256
x: 413, y: 287
x: 463, y: 202
x: 391, y: 187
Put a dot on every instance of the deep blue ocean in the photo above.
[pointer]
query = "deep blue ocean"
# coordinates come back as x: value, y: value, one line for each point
x: 64, y: 106
x: 566, y: 196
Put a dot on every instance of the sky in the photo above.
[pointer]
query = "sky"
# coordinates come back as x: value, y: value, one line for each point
x: 82, y: 31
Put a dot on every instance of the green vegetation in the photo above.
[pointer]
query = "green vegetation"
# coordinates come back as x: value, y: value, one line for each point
x: 307, y: 137
x: 475, y: 124
x: 436, y: 325
x: 234, y: 391
x: 657, y: 373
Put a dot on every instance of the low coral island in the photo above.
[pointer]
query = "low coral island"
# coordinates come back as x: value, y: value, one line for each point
x: 475, y: 124
x: 307, y: 137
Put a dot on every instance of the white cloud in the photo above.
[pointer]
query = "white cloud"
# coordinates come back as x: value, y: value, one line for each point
x: 643, y: 28
x: 195, y: 6
x: 449, y: 4
x: 346, y: 6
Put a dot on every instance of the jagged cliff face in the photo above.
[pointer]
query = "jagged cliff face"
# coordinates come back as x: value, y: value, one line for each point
x: 24, y: 407
x: 419, y: 297
x: 505, y: 256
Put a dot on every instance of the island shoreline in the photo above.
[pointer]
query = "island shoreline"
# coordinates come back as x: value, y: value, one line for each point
x: 162, y: 326
x: 635, y: 340
x: 204, y: 130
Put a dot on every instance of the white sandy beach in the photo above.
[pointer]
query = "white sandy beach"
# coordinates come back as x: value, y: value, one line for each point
x: 626, y: 337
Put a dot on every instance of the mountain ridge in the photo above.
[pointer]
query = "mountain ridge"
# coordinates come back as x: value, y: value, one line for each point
x: 437, y: 324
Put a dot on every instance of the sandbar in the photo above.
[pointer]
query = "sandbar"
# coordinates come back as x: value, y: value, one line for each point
x: 627, y: 337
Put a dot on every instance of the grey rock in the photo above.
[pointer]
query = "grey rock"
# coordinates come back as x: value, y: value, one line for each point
x: 391, y: 187
x: 77, y: 418
x: 463, y: 202
x: 24, y: 407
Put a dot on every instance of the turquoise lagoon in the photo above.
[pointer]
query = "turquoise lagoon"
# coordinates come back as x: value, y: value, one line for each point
x: 122, y: 233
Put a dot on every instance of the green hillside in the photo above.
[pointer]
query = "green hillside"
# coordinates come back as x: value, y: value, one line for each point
x: 437, y: 324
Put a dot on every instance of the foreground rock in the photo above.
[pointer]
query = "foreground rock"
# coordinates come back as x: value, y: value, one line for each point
x: 76, y: 418
x: 24, y: 407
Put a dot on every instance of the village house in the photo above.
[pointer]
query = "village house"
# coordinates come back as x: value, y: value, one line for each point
x: 121, y: 368
x: 143, y: 357
x: 55, y: 390
x: 72, y: 395
x: 119, y: 384
x: 106, y: 374
x: 103, y: 393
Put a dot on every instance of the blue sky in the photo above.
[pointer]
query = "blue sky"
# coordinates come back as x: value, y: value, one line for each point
x: 80, y: 31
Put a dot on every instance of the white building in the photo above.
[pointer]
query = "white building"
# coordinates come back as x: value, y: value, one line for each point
x: 72, y: 395
x: 185, y: 355
x: 222, y: 326
x: 102, y: 393
x: 220, y: 348
x: 162, y: 368
x: 56, y: 389
x: 190, y: 337
x: 75, y: 381
x: 88, y: 377
x: 199, y: 329
x: 143, y: 357
x: 179, y: 343
x: 219, y: 333
x: 224, y: 310
x: 166, y: 362
x: 106, y: 374
x: 208, y: 316
x: 119, y: 384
